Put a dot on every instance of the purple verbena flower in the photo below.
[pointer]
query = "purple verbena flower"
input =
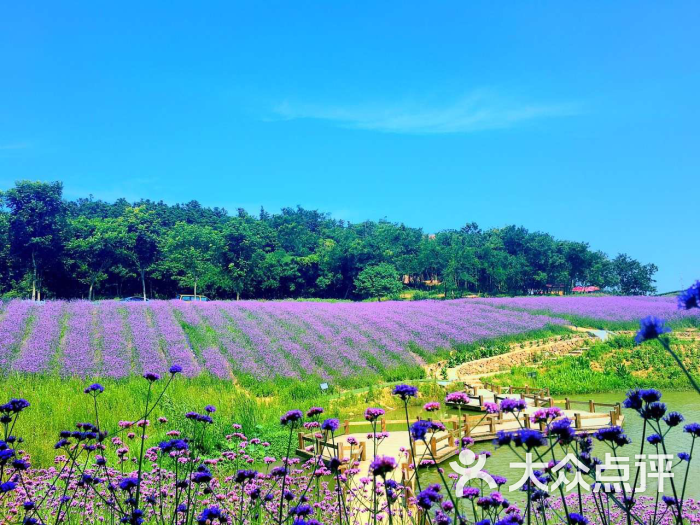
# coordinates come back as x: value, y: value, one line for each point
x: 372, y: 414
x: 293, y: 416
x: 690, y: 298
x: 405, y: 391
x: 650, y: 328
x: 382, y: 465
x: 331, y: 425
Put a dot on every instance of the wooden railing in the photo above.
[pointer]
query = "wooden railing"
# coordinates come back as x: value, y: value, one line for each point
x: 592, y: 405
x: 498, y: 389
x: 320, y: 446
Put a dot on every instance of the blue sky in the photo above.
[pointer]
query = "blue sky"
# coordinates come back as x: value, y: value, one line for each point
x: 579, y: 119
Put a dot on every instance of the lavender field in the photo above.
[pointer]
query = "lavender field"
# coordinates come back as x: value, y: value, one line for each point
x: 258, y: 339
x: 265, y: 340
x: 615, y: 309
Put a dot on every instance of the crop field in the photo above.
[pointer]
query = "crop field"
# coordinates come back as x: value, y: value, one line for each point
x: 257, y: 339
x: 264, y: 340
x: 612, y: 311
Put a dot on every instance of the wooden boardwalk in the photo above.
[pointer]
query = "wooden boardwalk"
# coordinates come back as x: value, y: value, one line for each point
x: 352, y: 444
x: 480, y: 394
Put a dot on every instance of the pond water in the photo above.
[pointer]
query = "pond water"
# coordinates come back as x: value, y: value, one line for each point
x: 687, y: 403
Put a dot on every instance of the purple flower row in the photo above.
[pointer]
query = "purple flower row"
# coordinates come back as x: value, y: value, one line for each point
x: 263, y: 339
x: 613, y: 308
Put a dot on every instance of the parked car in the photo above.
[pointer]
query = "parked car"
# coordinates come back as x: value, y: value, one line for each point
x: 192, y: 297
x: 134, y: 299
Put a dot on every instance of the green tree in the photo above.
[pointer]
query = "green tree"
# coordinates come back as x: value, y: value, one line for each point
x: 246, y: 239
x: 93, y: 246
x: 378, y: 281
x: 601, y: 272
x: 192, y: 255
x: 294, y: 253
x: 36, y: 229
x: 141, y: 233
x: 634, y: 277
x: 4, y: 252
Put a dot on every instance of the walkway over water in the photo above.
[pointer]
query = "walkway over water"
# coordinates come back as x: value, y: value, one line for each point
x: 352, y: 443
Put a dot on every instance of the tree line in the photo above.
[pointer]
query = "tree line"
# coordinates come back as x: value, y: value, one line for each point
x: 51, y: 247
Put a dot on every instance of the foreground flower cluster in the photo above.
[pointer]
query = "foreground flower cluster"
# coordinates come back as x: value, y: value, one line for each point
x: 175, y: 483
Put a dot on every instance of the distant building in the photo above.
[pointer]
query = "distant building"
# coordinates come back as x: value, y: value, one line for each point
x: 555, y: 289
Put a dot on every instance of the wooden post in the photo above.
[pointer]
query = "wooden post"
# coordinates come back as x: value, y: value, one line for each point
x: 492, y: 425
x: 542, y: 426
x: 407, y: 480
x: 301, y: 440
x: 527, y: 389
x: 383, y: 425
x: 577, y: 419
x: 591, y: 406
x: 433, y: 447
x: 363, y: 454
x: 551, y: 400
x: 341, y: 456
x: 346, y: 425
x: 481, y: 401
x: 567, y: 403
x: 613, y: 418
x: 527, y: 422
x: 499, y: 389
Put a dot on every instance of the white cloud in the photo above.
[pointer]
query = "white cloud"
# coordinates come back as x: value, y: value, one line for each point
x: 480, y: 110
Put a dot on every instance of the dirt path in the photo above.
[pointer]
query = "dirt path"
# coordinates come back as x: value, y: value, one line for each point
x: 554, y: 347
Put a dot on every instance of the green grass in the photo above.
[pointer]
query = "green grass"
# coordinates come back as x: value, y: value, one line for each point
x: 614, y: 365
x: 59, y: 403
x: 463, y: 353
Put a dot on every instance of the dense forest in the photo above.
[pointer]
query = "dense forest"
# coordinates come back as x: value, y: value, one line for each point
x: 51, y: 247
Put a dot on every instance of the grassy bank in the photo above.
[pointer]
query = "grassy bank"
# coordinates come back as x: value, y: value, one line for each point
x: 614, y: 365
x: 463, y: 353
x: 58, y: 403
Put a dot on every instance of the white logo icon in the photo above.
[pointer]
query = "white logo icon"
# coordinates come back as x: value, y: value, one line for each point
x: 467, y: 457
